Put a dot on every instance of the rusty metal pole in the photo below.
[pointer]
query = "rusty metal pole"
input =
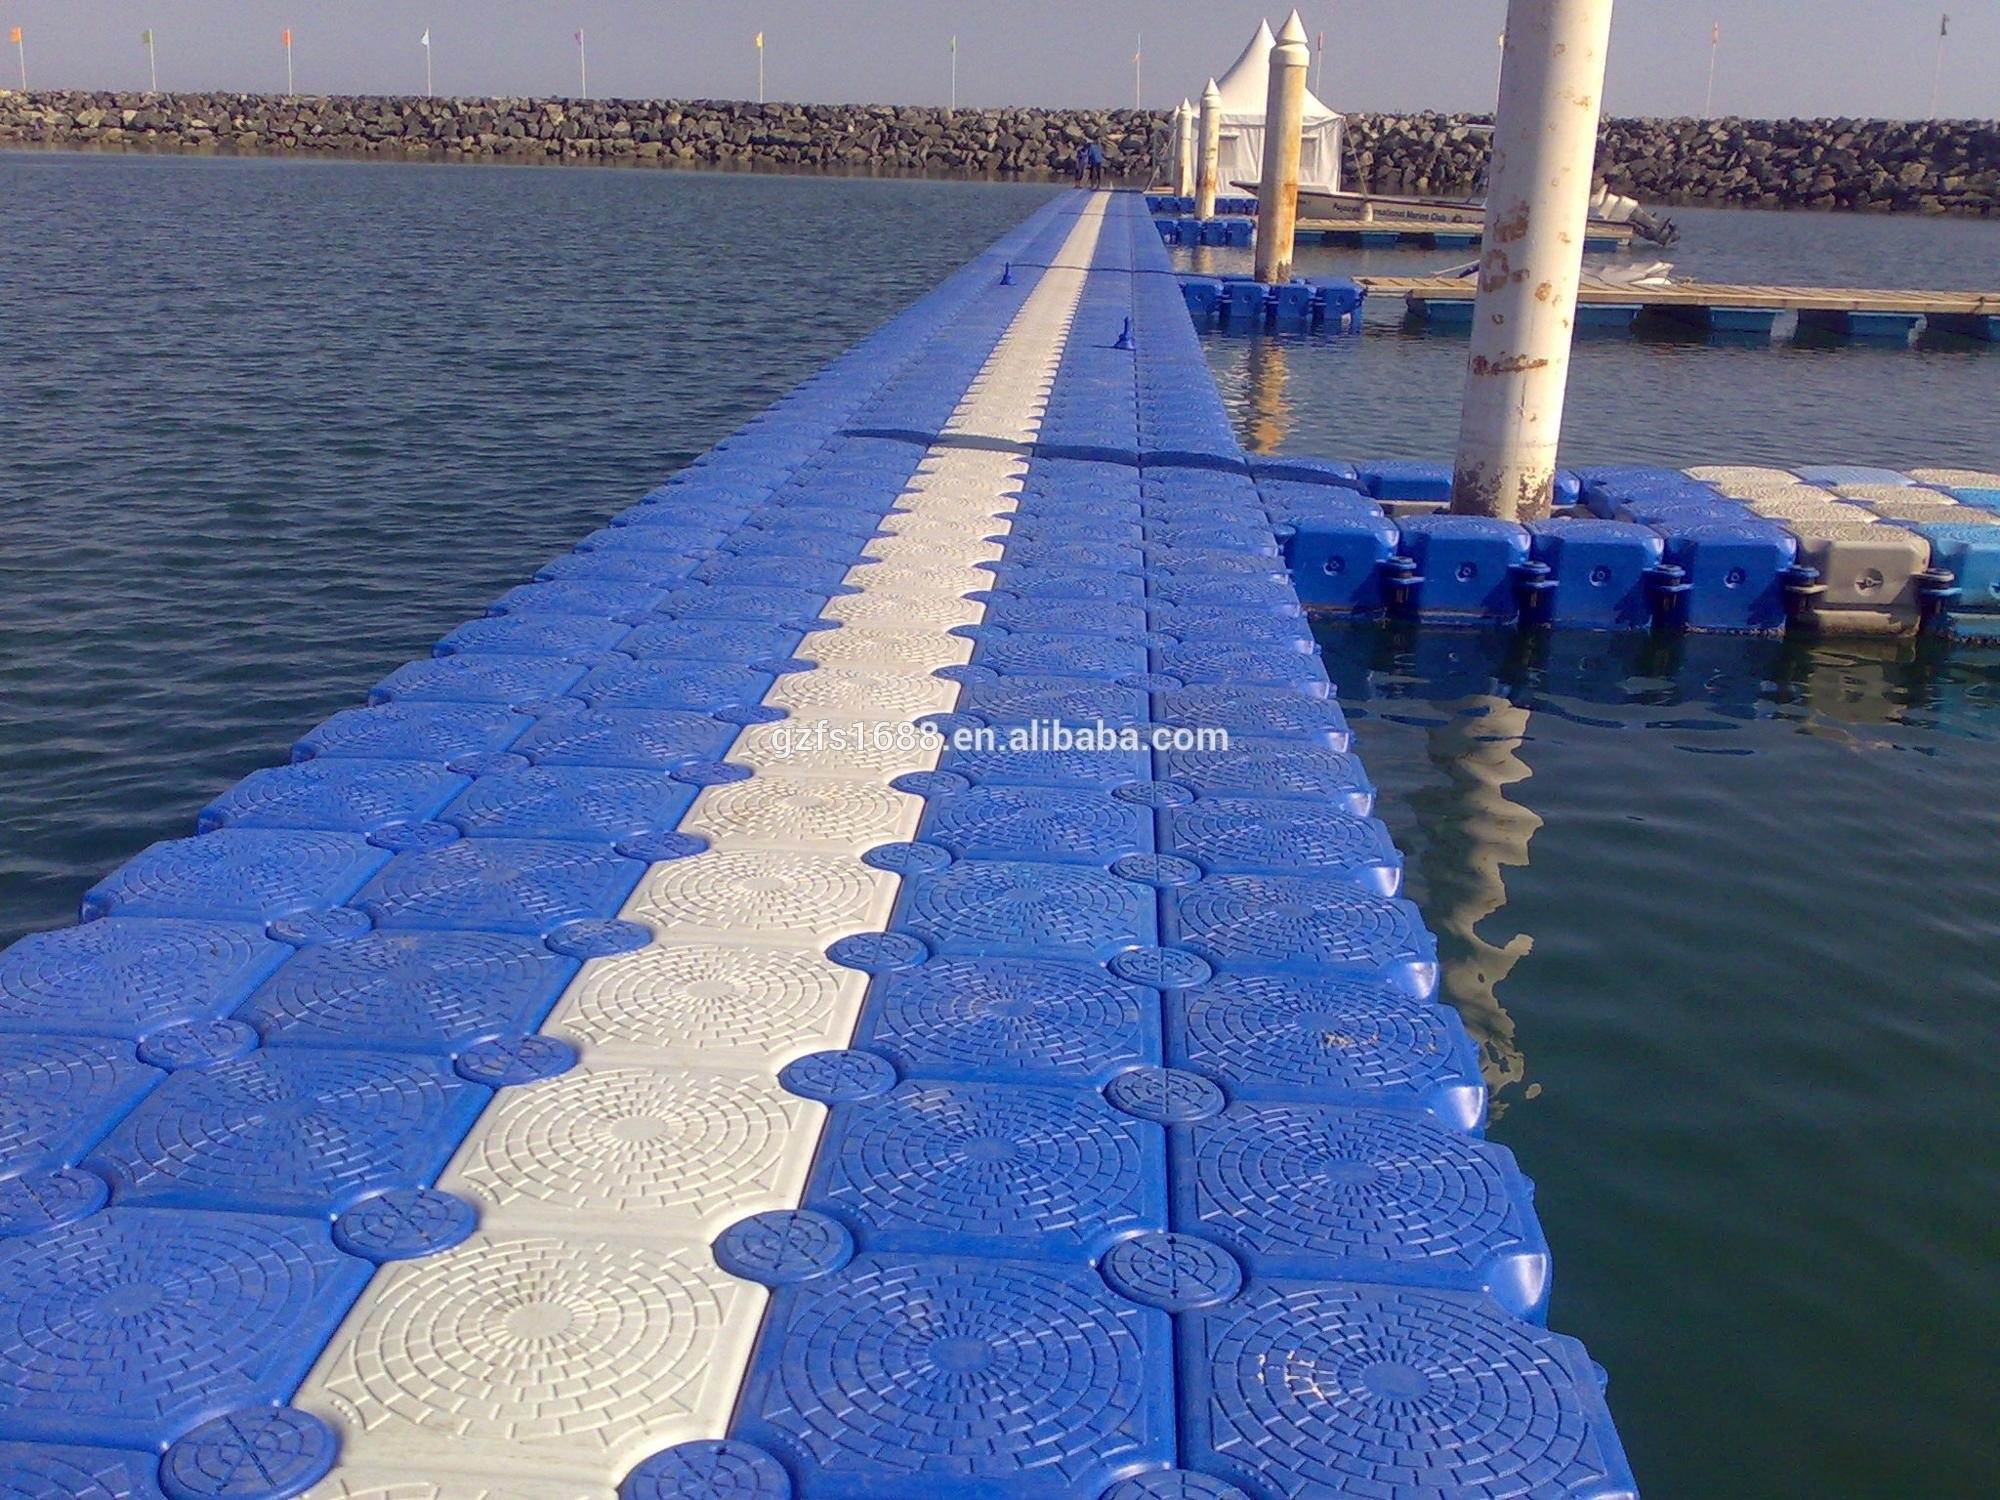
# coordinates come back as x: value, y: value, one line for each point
x: 1209, y: 162
x: 1537, y: 206
x: 1284, y: 124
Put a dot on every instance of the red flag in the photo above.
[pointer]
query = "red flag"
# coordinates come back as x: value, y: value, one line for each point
x: 288, y: 36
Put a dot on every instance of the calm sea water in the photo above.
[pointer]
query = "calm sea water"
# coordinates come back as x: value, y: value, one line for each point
x: 1724, y: 919
x: 269, y: 428
x: 1394, y: 394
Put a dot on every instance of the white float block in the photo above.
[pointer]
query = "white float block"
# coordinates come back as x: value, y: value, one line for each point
x: 773, y: 898
x: 542, y: 1358
x: 814, y: 813
x: 711, y: 1004
x: 962, y: 548
x: 635, y: 1150
x: 354, y: 1484
x: 1828, y: 511
x: 898, y: 612
x: 911, y: 651
x: 934, y: 580
x: 1721, y: 474
x: 843, y: 749
x: 1895, y: 494
x: 1957, y: 479
x: 861, y: 693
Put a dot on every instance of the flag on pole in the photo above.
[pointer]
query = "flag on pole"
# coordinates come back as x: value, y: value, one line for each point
x: 760, y: 41
x: 288, y: 36
x: 16, y: 37
x: 425, y: 39
x: 579, y: 39
x: 1944, y: 25
x: 1715, y: 35
x: 954, y: 44
x: 146, y: 38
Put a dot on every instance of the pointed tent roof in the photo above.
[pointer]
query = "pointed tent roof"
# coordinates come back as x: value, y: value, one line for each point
x: 1246, y: 87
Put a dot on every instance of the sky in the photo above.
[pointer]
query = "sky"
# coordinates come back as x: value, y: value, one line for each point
x: 1777, y: 57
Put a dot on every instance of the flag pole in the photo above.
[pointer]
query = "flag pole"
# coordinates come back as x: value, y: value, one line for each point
x: 427, y: 62
x: 1937, y: 71
x: 760, y: 67
x: 152, y: 61
x: 288, y: 63
x: 1319, y: 63
x: 1138, y: 74
x: 1714, y: 46
x: 21, y: 48
x: 954, y: 75
x: 582, y: 66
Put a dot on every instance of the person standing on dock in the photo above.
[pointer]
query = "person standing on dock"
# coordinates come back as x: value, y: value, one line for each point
x: 1094, y: 158
x: 1080, y: 167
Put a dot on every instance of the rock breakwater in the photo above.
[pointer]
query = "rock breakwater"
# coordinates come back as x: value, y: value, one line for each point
x: 661, y: 132
x: 1940, y: 167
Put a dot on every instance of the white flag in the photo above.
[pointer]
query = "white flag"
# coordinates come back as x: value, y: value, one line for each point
x: 427, y: 38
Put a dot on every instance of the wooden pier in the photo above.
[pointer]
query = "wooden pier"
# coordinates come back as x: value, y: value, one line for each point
x: 1857, y: 312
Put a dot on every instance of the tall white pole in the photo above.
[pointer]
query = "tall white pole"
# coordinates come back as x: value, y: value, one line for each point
x: 1210, y: 160
x: 1499, y: 64
x: 152, y: 61
x: 1537, y: 205
x: 1284, y: 125
x: 1138, y: 75
x: 1185, y: 151
x: 21, y: 48
x: 427, y: 62
x: 760, y: 67
x: 954, y: 75
x: 1319, y: 62
x: 1714, y: 46
x: 1937, y: 71
x: 582, y: 68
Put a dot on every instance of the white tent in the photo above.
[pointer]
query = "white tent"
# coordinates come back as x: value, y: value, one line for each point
x: 1244, y: 89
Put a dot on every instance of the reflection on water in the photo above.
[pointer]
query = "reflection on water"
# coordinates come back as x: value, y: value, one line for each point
x: 1267, y: 410
x: 1741, y: 1006
x: 1476, y: 753
x: 1474, y: 696
x: 1441, y: 684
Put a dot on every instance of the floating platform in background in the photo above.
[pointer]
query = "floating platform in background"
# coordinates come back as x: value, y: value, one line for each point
x: 1364, y: 234
x: 1743, y: 311
x: 1415, y: 226
x: 704, y: 1032
x: 1832, y: 549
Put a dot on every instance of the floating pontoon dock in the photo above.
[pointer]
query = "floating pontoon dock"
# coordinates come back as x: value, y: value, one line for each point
x: 706, y: 1032
x: 1857, y: 312
x: 1367, y: 234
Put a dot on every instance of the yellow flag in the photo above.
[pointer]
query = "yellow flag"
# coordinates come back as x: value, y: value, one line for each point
x: 146, y: 38
x: 16, y: 37
x: 760, y: 41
